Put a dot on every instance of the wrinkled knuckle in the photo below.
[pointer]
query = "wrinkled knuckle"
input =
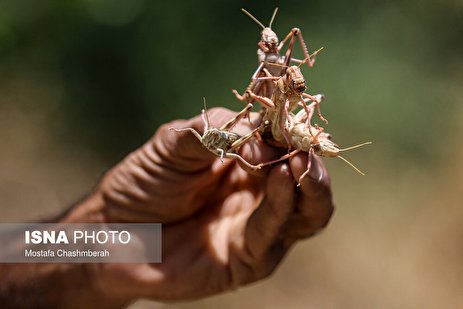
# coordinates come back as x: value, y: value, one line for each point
x: 109, y: 189
x: 166, y: 126
x: 164, y: 130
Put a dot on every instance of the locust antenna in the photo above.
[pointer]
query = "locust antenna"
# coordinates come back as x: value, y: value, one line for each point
x: 316, y: 52
x: 310, y: 56
x: 253, y: 18
x: 352, y: 165
x: 273, y: 17
x: 303, y: 61
x: 356, y: 146
x: 205, y: 116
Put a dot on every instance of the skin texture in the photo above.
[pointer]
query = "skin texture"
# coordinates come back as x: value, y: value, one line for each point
x: 222, y: 226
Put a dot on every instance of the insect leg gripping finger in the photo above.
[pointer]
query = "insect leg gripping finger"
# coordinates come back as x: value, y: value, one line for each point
x: 221, y: 154
x: 198, y: 136
x: 265, y: 101
x: 240, y: 97
x: 286, y: 156
x: 241, y: 159
x: 316, y: 102
x: 309, y: 166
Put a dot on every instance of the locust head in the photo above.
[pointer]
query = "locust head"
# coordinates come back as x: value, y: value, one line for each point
x: 295, y: 79
x: 324, y: 147
x: 269, y: 40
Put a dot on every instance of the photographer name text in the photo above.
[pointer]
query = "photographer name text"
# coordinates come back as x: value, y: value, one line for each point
x: 65, y: 253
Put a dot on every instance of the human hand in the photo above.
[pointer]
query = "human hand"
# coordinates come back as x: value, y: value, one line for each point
x: 222, y: 226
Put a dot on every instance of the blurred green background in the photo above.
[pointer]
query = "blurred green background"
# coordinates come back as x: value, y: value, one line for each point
x: 82, y: 83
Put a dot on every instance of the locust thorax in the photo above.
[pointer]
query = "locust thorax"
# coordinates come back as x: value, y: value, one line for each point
x: 214, y: 138
x: 295, y: 79
x: 270, y: 39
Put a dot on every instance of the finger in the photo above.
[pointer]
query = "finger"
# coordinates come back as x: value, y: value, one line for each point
x: 263, y: 230
x: 255, y: 152
x: 315, y: 204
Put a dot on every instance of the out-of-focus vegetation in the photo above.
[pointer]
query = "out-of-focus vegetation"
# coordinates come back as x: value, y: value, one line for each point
x: 84, y: 82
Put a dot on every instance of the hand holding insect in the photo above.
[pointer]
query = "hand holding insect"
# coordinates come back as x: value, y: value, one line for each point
x: 222, y: 226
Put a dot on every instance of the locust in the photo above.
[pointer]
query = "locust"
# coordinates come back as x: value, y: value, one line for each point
x: 268, y: 55
x: 313, y: 141
x: 222, y: 141
x: 288, y: 94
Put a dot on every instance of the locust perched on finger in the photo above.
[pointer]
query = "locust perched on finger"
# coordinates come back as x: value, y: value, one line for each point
x: 222, y: 141
x: 313, y: 141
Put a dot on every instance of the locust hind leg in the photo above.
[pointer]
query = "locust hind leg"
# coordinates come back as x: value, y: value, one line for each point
x: 310, y: 62
x: 268, y: 85
x: 252, y: 84
x: 305, y: 114
x: 286, y: 156
x: 298, y: 33
x: 289, y: 51
x: 309, y: 166
x: 263, y: 100
x: 316, y: 102
x: 302, y: 115
x: 241, y: 159
x: 238, y: 143
x: 232, y: 122
x: 292, y: 34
